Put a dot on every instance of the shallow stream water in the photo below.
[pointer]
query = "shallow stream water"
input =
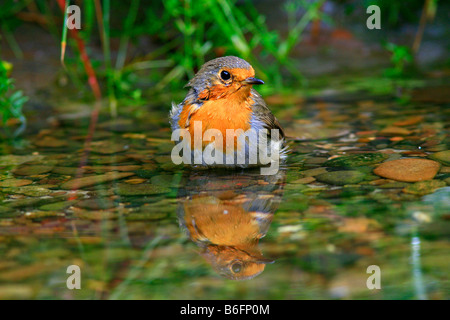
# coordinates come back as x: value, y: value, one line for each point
x: 140, y: 227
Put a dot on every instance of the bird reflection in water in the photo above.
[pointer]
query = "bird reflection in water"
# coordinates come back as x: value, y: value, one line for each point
x: 225, y: 213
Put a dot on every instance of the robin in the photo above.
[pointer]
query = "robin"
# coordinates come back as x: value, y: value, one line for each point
x: 226, y: 214
x: 228, y: 234
x: 222, y: 98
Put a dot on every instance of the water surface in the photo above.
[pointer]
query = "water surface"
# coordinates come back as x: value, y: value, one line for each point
x: 140, y: 227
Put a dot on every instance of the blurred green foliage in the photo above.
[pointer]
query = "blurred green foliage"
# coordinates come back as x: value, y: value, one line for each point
x: 230, y: 29
x: 396, y: 13
x: 181, y: 35
x: 187, y: 34
x: 401, y: 56
x: 11, y: 101
x: 191, y: 32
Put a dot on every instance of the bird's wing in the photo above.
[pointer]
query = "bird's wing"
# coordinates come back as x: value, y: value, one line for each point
x: 262, y: 112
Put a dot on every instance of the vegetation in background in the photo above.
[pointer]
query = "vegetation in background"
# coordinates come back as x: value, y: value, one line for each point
x: 188, y: 33
x: 11, y: 102
x: 224, y: 28
x: 400, y: 58
x: 394, y: 13
x: 184, y: 34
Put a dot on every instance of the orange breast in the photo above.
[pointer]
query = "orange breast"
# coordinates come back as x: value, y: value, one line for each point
x: 222, y: 114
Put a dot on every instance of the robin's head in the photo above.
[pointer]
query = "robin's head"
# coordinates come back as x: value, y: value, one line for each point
x: 222, y: 77
x: 236, y: 263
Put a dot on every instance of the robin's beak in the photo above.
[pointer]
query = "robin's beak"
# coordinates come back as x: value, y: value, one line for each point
x: 260, y: 259
x: 265, y: 261
x: 252, y: 80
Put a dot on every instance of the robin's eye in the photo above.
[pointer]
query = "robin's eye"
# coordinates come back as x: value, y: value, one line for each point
x: 236, y: 267
x: 225, y: 75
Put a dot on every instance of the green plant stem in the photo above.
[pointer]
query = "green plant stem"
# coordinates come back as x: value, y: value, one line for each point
x: 64, y: 35
x: 107, y: 57
x: 12, y: 41
x: 123, y: 46
x: 295, y: 33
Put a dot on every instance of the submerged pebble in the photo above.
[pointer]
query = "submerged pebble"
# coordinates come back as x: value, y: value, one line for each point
x: 94, y: 180
x: 409, y: 121
x: 94, y: 215
x: 57, y: 206
x: 32, y: 191
x: 29, y: 170
x: 304, y: 180
x: 408, y: 170
x: 314, y: 172
x: 341, y: 178
x: 95, y: 204
x: 356, y: 160
x: 108, y: 147
x: 11, y: 183
x: 15, y: 160
x: 50, y: 142
x: 395, y: 131
x: 102, y: 169
x: 441, y: 156
x: 69, y: 171
x: 124, y: 189
x: 424, y: 187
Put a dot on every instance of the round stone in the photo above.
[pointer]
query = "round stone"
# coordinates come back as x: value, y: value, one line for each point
x: 341, y: 178
x: 408, y: 170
